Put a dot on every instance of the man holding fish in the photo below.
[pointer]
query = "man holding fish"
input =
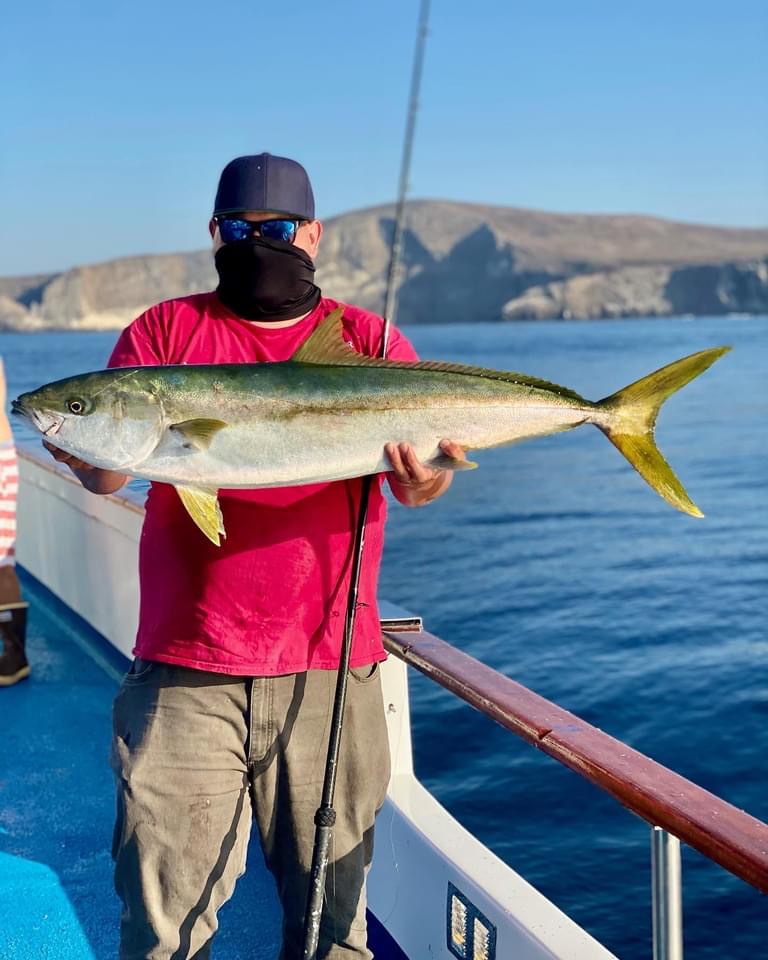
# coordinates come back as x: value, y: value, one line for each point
x: 255, y: 410
x: 225, y: 712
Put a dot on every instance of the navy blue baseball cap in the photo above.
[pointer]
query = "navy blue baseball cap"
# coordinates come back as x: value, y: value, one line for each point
x: 265, y: 182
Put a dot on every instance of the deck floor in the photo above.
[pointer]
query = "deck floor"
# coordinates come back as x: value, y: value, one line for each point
x: 57, y: 806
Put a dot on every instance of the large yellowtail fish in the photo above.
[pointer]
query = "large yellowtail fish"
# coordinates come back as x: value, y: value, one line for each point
x: 326, y: 414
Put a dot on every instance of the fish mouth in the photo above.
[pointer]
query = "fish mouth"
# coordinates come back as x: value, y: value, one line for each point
x: 45, y: 421
x: 18, y: 407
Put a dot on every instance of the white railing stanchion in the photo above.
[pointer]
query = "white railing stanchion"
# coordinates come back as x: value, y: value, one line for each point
x: 667, y: 887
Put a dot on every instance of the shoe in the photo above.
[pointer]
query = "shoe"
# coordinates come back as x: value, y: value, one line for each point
x: 13, y: 632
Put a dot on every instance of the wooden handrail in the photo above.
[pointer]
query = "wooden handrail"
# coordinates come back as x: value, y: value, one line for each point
x: 733, y: 839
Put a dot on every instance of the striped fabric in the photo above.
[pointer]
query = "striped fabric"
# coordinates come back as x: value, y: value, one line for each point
x: 9, y: 487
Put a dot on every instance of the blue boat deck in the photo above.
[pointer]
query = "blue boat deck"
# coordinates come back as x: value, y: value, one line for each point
x: 57, y: 805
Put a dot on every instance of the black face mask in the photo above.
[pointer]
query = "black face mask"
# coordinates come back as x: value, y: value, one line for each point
x: 266, y: 279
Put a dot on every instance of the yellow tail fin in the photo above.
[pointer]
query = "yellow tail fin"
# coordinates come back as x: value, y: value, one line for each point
x: 632, y: 418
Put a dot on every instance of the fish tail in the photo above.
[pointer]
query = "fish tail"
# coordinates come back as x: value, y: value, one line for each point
x: 631, y: 420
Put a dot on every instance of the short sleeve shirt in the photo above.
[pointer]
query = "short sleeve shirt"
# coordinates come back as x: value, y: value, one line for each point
x: 272, y: 598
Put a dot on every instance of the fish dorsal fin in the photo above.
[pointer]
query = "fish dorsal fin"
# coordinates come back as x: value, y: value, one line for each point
x: 439, y: 366
x: 202, y: 504
x: 326, y: 345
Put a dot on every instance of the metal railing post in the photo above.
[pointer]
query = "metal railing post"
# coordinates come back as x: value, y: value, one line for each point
x: 667, y: 887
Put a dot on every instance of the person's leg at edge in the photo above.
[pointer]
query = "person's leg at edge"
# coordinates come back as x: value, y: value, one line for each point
x: 183, y: 807
x: 287, y: 789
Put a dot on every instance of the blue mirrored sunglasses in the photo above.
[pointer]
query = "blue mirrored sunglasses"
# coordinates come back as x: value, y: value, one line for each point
x: 232, y: 229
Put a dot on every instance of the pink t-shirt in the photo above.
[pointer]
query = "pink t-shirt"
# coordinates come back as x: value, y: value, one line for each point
x: 272, y: 598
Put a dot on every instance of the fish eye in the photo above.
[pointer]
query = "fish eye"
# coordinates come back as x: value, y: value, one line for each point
x: 76, y: 406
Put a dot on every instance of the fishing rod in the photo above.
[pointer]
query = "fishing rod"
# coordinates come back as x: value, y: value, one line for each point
x: 325, y: 815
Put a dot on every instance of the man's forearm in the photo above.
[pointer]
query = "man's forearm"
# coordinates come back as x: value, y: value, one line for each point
x: 100, y: 481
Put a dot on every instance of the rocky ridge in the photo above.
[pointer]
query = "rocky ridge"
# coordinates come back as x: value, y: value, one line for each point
x: 462, y: 263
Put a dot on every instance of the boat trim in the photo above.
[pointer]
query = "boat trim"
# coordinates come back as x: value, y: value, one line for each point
x: 730, y: 837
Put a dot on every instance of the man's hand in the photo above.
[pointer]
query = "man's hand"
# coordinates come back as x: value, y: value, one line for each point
x: 92, y: 478
x: 63, y: 457
x: 413, y: 483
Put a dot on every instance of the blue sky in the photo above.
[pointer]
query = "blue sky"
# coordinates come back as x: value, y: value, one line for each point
x: 117, y: 117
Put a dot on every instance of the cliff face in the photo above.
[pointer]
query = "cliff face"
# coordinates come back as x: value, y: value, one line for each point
x: 108, y: 295
x: 648, y: 292
x: 462, y: 263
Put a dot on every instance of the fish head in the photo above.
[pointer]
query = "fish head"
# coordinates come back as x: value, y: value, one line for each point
x: 111, y: 419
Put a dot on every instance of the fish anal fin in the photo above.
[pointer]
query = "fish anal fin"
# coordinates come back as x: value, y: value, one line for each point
x: 202, y: 504
x: 444, y: 462
x: 198, y: 433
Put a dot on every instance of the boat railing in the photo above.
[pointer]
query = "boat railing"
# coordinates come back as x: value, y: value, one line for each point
x: 675, y: 808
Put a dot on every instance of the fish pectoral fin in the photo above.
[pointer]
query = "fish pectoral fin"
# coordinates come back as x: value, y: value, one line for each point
x: 443, y: 462
x: 202, y: 504
x: 198, y: 434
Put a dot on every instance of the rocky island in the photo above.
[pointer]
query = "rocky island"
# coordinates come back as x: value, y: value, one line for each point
x: 462, y: 263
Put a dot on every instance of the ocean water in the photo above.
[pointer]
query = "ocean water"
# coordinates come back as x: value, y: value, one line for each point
x: 555, y: 564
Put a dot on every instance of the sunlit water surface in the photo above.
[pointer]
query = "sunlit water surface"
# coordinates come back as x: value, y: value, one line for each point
x: 555, y: 564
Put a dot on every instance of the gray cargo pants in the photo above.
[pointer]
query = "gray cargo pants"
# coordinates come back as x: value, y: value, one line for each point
x: 196, y: 756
